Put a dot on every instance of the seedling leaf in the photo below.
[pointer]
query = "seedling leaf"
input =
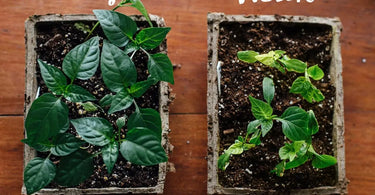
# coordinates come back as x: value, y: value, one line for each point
x: 118, y: 28
x: 75, y: 93
x: 247, y: 56
x: 94, y: 130
x: 110, y: 155
x: 294, y: 123
x: 143, y: 147
x: 268, y: 89
x: 150, y: 38
x: 74, y: 168
x: 315, y: 72
x: 83, y: 60
x: 160, y: 67
x: 53, y: 77
x: 47, y: 117
x: 147, y: 118
x: 118, y: 69
x: 261, y: 110
x: 65, y: 144
x: 38, y: 173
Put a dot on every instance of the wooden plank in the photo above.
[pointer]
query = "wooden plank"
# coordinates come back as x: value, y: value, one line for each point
x: 11, y: 150
x: 188, y: 156
x: 360, y: 153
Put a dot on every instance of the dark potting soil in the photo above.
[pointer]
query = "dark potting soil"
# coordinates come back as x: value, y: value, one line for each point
x: 307, y: 42
x: 54, y: 41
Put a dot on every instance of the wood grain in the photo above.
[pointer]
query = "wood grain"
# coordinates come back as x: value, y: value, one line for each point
x: 187, y: 45
x: 11, y: 150
x: 188, y: 155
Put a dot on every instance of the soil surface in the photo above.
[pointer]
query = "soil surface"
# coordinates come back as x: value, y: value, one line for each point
x: 54, y: 41
x: 307, y: 42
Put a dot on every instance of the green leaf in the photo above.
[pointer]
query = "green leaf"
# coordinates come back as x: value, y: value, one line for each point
x: 47, y: 117
x: 150, y: 38
x: 279, y: 169
x: 74, y: 169
x: 268, y: 89
x: 247, y: 56
x: 40, y: 147
x: 266, y: 59
x: 94, y: 130
x: 65, y: 144
x: 38, y: 173
x: 255, y: 138
x: 277, y: 65
x: 147, y: 118
x: 294, y: 65
x: 266, y: 126
x: 139, y: 88
x: 106, y: 100
x: 223, y: 161
x: 236, y: 148
x: 52, y: 77
x: 117, y: 27
x: 118, y: 69
x: 294, y: 123
x: 141, y: 8
x: 82, y: 27
x: 312, y: 126
x: 300, y: 147
x: 323, y: 161
x: 142, y: 147
x: 130, y: 47
x: 89, y: 107
x: 110, y: 154
x: 308, y: 91
x: 261, y: 110
x: 253, y: 126
x: 296, y: 162
x: 287, y: 152
x: 120, y: 122
x: 83, y: 60
x: 160, y: 67
x: 75, y: 93
x: 121, y: 101
x: 315, y: 72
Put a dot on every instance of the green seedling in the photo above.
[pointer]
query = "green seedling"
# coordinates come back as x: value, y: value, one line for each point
x: 277, y: 59
x: 47, y: 120
x: 298, y: 126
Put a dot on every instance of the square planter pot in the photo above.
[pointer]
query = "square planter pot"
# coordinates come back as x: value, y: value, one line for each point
x: 31, y: 26
x: 215, y: 30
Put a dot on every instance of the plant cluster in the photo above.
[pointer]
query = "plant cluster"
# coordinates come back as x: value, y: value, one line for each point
x: 47, y: 120
x: 298, y: 125
x: 277, y: 59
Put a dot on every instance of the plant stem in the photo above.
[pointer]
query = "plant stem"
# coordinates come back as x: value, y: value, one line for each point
x: 131, y: 57
x: 136, y: 106
x: 97, y: 154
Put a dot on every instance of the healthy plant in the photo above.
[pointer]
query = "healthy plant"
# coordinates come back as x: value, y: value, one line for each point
x: 277, y: 59
x: 297, y: 125
x: 47, y: 120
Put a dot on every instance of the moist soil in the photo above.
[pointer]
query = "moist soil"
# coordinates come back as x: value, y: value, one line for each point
x: 54, y: 41
x: 307, y: 42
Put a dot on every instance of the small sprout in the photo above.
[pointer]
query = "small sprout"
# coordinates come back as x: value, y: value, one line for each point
x: 277, y: 59
x: 298, y: 127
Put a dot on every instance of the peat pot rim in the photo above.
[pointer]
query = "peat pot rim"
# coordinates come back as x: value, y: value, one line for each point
x: 214, y: 20
x: 31, y: 90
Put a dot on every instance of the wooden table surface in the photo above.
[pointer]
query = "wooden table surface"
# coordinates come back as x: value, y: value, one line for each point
x: 187, y: 46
